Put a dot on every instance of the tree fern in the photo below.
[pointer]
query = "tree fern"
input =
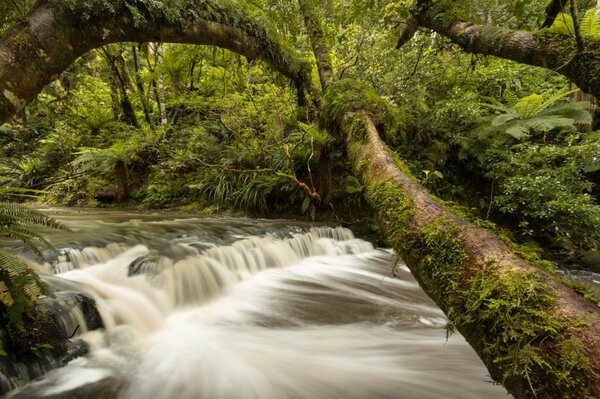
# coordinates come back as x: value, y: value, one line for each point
x: 536, y: 113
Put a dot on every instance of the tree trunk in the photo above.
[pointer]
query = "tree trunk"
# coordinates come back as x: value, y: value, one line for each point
x: 313, y: 23
x: 122, y: 185
x: 536, y: 336
x: 548, y: 49
x: 140, y: 87
x: 120, y: 79
x: 160, y: 87
x: 314, y: 27
x: 56, y: 33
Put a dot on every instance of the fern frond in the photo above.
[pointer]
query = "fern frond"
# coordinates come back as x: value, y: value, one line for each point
x: 28, y: 237
x: 590, y: 23
x: 20, y: 287
x: 12, y: 265
x: 5, y: 296
x: 25, y: 215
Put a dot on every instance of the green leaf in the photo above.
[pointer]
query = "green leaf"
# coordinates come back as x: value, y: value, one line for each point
x: 305, y: 204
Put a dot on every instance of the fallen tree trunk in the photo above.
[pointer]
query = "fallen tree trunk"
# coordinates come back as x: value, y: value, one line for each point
x: 536, y: 336
x: 57, y: 32
x: 545, y: 48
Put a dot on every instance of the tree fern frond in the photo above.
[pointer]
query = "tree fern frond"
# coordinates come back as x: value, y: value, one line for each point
x: 12, y: 265
x: 519, y: 131
x: 25, y: 215
x: 590, y: 23
x: 545, y: 123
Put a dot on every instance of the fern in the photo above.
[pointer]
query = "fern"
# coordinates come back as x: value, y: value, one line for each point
x: 20, y: 286
x: 536, y: 113
x: 589, y: 25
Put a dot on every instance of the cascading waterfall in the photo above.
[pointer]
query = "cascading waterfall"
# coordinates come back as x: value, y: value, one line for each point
x: 264, y: 311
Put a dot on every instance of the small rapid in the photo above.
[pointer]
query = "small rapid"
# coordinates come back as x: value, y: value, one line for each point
x: 241, y: 308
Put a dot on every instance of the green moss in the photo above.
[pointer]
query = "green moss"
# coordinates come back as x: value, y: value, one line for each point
x: 400, y: 163
x: 507, y: 315
x: 348, y: 96
x: 237, y: 14
x: 395, y: 212
x: 527, y: 344
x: 581, y: 67
x: 439, y: 261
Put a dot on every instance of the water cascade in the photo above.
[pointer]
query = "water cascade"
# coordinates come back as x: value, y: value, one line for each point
x: 262, y: 310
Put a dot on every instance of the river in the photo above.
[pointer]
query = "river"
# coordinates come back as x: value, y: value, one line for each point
x: 243, y: 308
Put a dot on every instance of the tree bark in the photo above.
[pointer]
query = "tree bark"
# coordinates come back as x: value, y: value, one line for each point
x: 548, y: 49
x: 140, y: 87
x: 120, y: 79
x: 56, y: 33
x: 157, y: 48
x: 536, y: 336
x: 520, y: 320
x: 314, y: 27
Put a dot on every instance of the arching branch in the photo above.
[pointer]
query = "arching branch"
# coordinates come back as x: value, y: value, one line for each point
x: 56, y: 33
x: 548, y: 49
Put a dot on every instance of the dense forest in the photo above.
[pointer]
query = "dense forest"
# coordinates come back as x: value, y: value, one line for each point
x: 486, y: 112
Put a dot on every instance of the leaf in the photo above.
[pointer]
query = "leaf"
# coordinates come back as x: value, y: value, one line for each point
x: 590, y: 23
x: 518, y: 131
x: 305, y: 204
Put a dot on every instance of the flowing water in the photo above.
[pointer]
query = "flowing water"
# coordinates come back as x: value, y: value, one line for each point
x: 244, y: 308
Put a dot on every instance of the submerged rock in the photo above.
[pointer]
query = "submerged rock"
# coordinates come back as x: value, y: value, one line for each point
x: 45, y: 343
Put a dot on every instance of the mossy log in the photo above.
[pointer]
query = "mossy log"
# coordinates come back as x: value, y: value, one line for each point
x: 545, y: 48
x: 57, y: 32
x: 536, y: 336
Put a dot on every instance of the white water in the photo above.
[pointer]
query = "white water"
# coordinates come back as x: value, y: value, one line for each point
x: 270, y: 316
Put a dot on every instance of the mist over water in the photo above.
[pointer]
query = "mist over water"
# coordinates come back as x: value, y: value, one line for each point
x: 241, y: 308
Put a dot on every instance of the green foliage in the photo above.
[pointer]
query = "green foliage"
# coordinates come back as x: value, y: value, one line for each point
x: 535, y: 114
x: 516, y: 310
x: 589, y: 24
x: 539, y: 163
x: 15, y: 218
x: 20, y: 286
x: 348, y: 96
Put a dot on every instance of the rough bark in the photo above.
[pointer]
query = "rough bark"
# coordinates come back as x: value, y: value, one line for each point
x: 140, y: 87
x: 548, y: 49
x: 56, y: 33
x: 508, y: 310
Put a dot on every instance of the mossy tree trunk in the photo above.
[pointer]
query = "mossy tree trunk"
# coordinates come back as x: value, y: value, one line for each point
x: 536, y: 336
x: 122, y: 82
x: 544, y: 48
x: 314, y: 27
x: 56, y: 33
